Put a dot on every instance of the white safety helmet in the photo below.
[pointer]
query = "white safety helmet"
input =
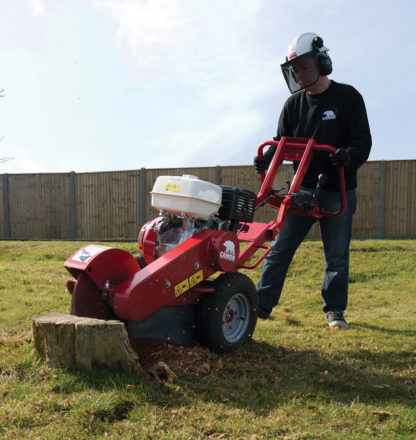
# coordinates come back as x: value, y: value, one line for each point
x: 306, y: 45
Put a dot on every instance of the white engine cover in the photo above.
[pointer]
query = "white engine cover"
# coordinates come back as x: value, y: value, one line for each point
x: 186, y: 195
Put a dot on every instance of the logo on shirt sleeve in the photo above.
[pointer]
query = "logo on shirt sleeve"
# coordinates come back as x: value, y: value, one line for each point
x: 327, y: 115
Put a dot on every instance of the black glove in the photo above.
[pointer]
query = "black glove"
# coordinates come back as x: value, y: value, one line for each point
x: 304, y: 201
x: 262, y: 164
x: 341, y: 158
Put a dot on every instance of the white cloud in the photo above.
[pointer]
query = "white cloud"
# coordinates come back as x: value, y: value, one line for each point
x: 38, y: 7
x: 213, y: 51
x: 151, y: 30
x: 195, y: 42
x: 210, y: 47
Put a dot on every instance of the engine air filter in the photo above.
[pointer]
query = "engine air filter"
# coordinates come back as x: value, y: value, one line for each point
x: 237, y: 204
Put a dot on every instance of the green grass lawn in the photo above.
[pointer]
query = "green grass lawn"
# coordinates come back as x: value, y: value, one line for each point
x: 297, y: 379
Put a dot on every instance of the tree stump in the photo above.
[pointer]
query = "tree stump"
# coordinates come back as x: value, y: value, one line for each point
x: 67, y: 340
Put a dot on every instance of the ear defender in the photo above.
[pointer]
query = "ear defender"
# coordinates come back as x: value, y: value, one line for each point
x: 324, y: 62
x: 317, y: 42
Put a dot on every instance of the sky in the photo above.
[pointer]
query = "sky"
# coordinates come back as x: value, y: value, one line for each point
x: 106, y: 85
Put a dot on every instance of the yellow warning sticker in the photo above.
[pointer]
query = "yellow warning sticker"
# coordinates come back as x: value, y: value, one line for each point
x: 174, y: 187
x: 196, y: 278
x: 190, y: 282
x: 181, y: 287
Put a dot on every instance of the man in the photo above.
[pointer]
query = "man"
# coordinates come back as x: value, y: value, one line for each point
x: 332, y: 114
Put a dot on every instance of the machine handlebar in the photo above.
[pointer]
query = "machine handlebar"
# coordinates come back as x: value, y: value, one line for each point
x: 298, y: 150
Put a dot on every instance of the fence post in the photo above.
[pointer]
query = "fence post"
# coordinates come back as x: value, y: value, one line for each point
x: 381, y: 221
x: 6, y: 206
x: 72, y: 204
x: 142, y: 212
x: 218, y: 175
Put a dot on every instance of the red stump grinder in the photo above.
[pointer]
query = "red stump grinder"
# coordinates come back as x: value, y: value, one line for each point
x: 172, y: 293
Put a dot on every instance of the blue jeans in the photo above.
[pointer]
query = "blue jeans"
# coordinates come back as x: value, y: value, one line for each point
x: 336, y: 238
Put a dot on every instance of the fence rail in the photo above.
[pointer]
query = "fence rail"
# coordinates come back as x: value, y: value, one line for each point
x: 113, y: 205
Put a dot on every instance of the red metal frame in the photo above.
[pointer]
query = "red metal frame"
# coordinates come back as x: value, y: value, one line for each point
x: 298, y: 150
x: 177, y: 277
x: 171, y: 278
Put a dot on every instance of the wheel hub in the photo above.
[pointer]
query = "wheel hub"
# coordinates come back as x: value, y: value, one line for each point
x: 229, y: 316
x: 235, y: 317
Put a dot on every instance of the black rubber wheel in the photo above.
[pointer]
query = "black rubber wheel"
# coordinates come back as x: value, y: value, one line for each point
x: 227, y: 317
x: 88, y: 301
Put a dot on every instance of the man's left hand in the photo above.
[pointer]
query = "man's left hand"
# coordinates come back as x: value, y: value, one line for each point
x: 341, y: 158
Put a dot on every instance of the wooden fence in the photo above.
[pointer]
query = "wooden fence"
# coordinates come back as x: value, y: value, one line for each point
x: 113, y: 205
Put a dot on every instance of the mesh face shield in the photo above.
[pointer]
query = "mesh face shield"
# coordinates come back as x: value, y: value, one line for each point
x: 301, y: 72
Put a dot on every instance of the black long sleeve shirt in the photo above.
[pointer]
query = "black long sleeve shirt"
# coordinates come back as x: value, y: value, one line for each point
x: 336, y: 117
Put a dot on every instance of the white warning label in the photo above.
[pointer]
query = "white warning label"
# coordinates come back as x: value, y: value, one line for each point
x: 86, y: 253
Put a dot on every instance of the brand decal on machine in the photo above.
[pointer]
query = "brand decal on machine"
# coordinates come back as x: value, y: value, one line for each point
x: 86, y: 253
x: 188, y: 283
x: 229, y: 252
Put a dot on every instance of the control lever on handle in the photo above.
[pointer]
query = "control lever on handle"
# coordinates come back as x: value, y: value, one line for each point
x: 322, y: 179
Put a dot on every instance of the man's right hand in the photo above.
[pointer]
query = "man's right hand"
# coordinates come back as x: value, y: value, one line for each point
x: 262, y: 164
x: 341, y: 158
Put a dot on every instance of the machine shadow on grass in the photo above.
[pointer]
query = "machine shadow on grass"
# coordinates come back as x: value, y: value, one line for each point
x: 260, y: 377
x: 264, y: 376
